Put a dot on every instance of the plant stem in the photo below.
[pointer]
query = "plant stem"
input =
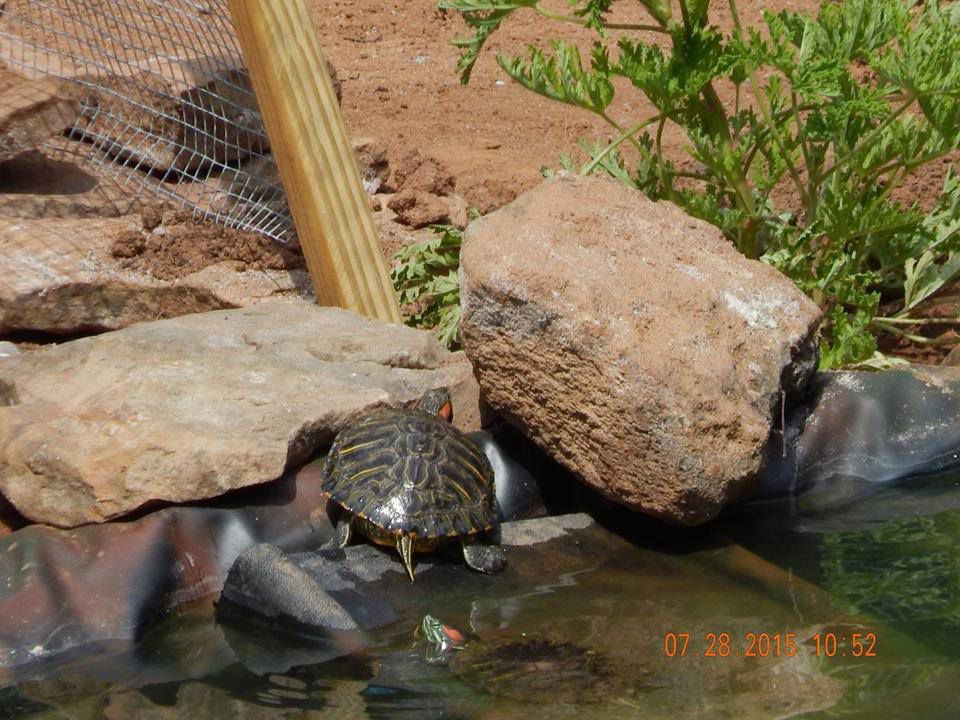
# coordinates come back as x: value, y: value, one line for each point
x: 908, y: 166
x: 661, y: 169
x: 629, y: 136
x: 721, y: 127
x: 768, y: 117
x: 919, y: 339
x: 880, y: 229
x: 625, y: 135
x: 659, y: 12
x: 917, y: 321
x: 693, y: 176
x: 583, y: 22
x: 812, y: 195
x: 868, y: 140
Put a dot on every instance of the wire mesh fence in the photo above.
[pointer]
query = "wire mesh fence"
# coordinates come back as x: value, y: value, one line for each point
x: 151, y: 94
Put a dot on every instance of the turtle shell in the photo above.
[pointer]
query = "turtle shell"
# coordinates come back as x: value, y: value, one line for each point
x: 409, y: 472
x: 537, y: 670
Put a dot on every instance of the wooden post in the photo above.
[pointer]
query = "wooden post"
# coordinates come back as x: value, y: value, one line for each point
x: 317, y: 166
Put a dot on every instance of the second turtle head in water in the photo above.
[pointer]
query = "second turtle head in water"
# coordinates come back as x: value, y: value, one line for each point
x: 405, y: 477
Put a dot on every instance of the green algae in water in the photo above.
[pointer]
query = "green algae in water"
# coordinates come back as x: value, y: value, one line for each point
x: 905, y: 571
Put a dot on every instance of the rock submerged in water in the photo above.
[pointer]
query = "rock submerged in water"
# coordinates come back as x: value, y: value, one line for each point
x: 632, y: 342
x: 190, y: 408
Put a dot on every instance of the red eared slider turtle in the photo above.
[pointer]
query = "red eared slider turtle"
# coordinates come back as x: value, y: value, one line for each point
x: 407, y: 478
x: 525, y: 668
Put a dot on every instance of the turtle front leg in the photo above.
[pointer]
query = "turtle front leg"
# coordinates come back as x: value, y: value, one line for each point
x: 484, y: 555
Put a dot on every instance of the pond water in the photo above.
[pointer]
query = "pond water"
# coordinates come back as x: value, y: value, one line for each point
x: 791, y: 610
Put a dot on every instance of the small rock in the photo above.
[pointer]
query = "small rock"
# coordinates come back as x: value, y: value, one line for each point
x: 371, y: 157
x: 417, y: 173
x: 459, y: 212
x: 632, y: 342
x: 417, y: 209
x: 269, y: 580
x: 151, y: 216
x: 486, y: 194
x: 8, y: 349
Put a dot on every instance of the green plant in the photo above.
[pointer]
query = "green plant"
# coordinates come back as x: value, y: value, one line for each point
x: 425, y: 275
x: 824, y: 120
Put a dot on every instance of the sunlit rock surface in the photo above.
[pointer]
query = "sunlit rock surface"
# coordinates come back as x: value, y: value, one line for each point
x: 189, y: 408
x: 632, y: 342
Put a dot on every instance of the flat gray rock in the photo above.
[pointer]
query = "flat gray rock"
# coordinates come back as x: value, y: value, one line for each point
x: 189, y: 408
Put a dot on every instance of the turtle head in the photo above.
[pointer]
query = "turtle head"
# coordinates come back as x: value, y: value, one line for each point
x: 436, y: 402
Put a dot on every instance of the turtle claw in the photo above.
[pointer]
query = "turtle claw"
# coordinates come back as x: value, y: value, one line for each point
x: 342, y: 533
x: 405, y: 548
x: 484, y: 556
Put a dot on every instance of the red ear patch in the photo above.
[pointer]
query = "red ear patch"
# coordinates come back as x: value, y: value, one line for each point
x: 446, y: 412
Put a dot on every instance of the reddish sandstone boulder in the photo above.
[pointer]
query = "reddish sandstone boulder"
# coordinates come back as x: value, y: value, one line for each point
x: 632, y: 342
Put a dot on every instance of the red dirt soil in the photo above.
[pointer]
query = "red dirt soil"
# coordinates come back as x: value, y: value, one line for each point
x: 396, y: 66
x: 397, y: 69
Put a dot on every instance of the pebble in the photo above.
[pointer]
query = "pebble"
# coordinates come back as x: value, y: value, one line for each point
x: 8, y: 349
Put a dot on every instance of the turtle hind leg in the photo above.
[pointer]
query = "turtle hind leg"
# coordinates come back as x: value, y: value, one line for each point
x: 483, y: 555
x: 405, y: 548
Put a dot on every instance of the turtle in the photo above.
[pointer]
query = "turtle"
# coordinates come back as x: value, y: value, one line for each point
x: 407, y: 478
x: 523, y: 667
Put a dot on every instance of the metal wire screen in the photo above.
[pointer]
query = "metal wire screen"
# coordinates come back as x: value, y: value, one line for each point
x: 150, y: 93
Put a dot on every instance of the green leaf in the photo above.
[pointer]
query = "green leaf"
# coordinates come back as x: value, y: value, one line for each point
x: 925, y: 275
x: 561, y: 76
x: 426, y: 275
x: 850, y: 340
x: 484, y: 16
x: 593, y: 12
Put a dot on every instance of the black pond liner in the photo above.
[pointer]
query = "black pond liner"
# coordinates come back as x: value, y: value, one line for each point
x: 865, y: 503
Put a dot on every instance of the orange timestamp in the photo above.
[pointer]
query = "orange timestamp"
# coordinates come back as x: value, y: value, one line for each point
x: 764, y: 644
